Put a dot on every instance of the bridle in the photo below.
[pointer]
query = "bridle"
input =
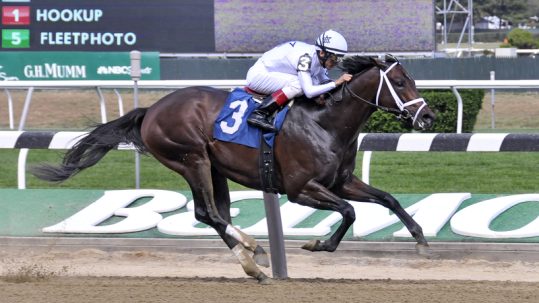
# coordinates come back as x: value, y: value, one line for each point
x: 402, y: 112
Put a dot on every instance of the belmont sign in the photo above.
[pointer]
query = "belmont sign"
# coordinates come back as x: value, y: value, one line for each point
x: 432, y: 212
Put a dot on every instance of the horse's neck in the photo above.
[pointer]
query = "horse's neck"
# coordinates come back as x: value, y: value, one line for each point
x: 347, y: 117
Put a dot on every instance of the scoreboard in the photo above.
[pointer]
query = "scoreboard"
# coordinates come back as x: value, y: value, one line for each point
x: 107, y: 25
x: 208, y: 26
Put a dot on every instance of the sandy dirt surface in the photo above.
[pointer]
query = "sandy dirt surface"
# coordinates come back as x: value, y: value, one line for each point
x: 91, y: 275
x: 511, y: 111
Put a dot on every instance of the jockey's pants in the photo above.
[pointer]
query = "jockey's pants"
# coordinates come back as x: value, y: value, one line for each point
x: 263, y: 81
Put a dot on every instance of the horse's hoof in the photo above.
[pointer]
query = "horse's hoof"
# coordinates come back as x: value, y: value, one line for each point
x: 425, y: 251
x: 261, y: 258
x: 312, y: 245
x: 263, y: 279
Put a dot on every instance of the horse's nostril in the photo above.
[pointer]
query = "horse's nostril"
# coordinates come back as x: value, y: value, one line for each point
x: 428, y: 119
x: 428, y: 116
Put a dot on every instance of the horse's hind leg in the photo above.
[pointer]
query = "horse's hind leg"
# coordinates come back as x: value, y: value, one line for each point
x: 207, y: 213
x: 197, y: 172
x: 221, y: 196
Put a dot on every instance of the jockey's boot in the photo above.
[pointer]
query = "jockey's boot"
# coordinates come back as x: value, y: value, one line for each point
x: 261, y: 116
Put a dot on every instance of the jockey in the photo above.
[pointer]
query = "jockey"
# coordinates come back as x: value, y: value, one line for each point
x: 292, y: 69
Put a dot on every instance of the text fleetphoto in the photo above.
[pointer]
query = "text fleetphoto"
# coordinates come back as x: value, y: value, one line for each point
x: 87, y: 38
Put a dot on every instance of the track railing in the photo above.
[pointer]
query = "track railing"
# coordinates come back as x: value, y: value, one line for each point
x: 443, y: 142
x: 410, y: 142
x: 453, y: 85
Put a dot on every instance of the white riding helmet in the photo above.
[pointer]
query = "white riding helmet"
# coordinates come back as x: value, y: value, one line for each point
x: 333, y: 42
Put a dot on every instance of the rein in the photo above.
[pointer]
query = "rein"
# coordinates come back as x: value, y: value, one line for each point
x: 402, y: 112
x: 386, y: 109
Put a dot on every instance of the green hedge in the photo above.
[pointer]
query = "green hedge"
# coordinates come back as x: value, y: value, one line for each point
x: 520, y: 38
x: 444, y: 105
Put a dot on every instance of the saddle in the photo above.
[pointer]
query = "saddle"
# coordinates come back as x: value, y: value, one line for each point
x: 320, y: 100
x: 229, y: 129
x: 256, y: 95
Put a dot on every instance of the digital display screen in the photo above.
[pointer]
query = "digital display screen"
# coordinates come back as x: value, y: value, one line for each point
x: 367, y: 25
x: 208, y: 26
x: 108, y: 25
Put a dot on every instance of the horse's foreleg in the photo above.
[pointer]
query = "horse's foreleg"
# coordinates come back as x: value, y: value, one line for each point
x: 356, y: 190
x: 317, y: 196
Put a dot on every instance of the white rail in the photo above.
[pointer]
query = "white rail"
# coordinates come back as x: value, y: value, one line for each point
x: 417, y: 142
x: 454, y: 85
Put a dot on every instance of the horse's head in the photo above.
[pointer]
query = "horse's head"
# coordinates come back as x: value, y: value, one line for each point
x: 396, y: 92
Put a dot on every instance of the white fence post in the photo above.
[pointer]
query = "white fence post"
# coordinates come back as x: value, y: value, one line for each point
x: 135, y: 75
x: 492, y: 101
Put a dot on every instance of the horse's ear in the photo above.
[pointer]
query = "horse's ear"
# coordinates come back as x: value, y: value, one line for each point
x: 391, y: 58
x: 377, y: 62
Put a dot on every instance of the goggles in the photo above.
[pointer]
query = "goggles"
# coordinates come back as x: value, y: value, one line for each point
x: 335, y: 58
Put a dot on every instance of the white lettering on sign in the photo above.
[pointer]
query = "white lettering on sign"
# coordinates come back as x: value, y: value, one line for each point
x: 68, y: 15
x: 114, y: 203
x: 475, y: 219
x: 291, y: 215
x: 121, y: 70
x: 432, y: 213
x: 55, y: 71
x: 184, y: 224
x: 87, y: 38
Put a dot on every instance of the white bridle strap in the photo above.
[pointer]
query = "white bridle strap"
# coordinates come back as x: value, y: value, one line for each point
x: 401, y: 105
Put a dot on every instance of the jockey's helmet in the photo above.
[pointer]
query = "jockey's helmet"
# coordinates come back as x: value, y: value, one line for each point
x: 332, y: 42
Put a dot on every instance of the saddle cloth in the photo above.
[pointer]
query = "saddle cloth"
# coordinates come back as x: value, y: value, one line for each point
x: 231, y: 124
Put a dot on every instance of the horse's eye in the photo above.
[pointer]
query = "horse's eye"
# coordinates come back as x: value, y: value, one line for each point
x: 399, y: 83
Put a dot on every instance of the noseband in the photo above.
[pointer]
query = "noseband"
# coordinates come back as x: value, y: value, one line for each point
x: 403, y: 112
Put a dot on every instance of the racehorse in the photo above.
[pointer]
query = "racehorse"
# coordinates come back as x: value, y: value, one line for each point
x: 315, y: 151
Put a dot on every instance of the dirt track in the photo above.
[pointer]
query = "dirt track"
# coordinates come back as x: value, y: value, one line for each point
x: 240, y: 290
x: 96, y: 276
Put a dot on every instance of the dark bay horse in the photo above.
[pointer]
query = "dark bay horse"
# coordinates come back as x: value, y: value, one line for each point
x: 315, y: 151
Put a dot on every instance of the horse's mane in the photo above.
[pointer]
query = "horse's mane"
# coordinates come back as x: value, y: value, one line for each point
x: 357, y: 64
x: 354, y: 65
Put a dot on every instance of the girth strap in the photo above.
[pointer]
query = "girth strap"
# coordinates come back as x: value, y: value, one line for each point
x: 266, y: 167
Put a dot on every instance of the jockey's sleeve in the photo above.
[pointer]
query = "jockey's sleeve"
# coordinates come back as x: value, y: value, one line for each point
x: 309, y: 89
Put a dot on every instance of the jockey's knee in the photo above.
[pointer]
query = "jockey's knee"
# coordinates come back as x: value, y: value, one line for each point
x: 291, y: 90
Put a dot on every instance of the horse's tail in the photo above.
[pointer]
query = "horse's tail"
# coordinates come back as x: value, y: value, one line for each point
x: 92, y: 148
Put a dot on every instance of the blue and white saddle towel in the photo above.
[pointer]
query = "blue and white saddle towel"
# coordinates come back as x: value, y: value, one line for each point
x: 231, y: 124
